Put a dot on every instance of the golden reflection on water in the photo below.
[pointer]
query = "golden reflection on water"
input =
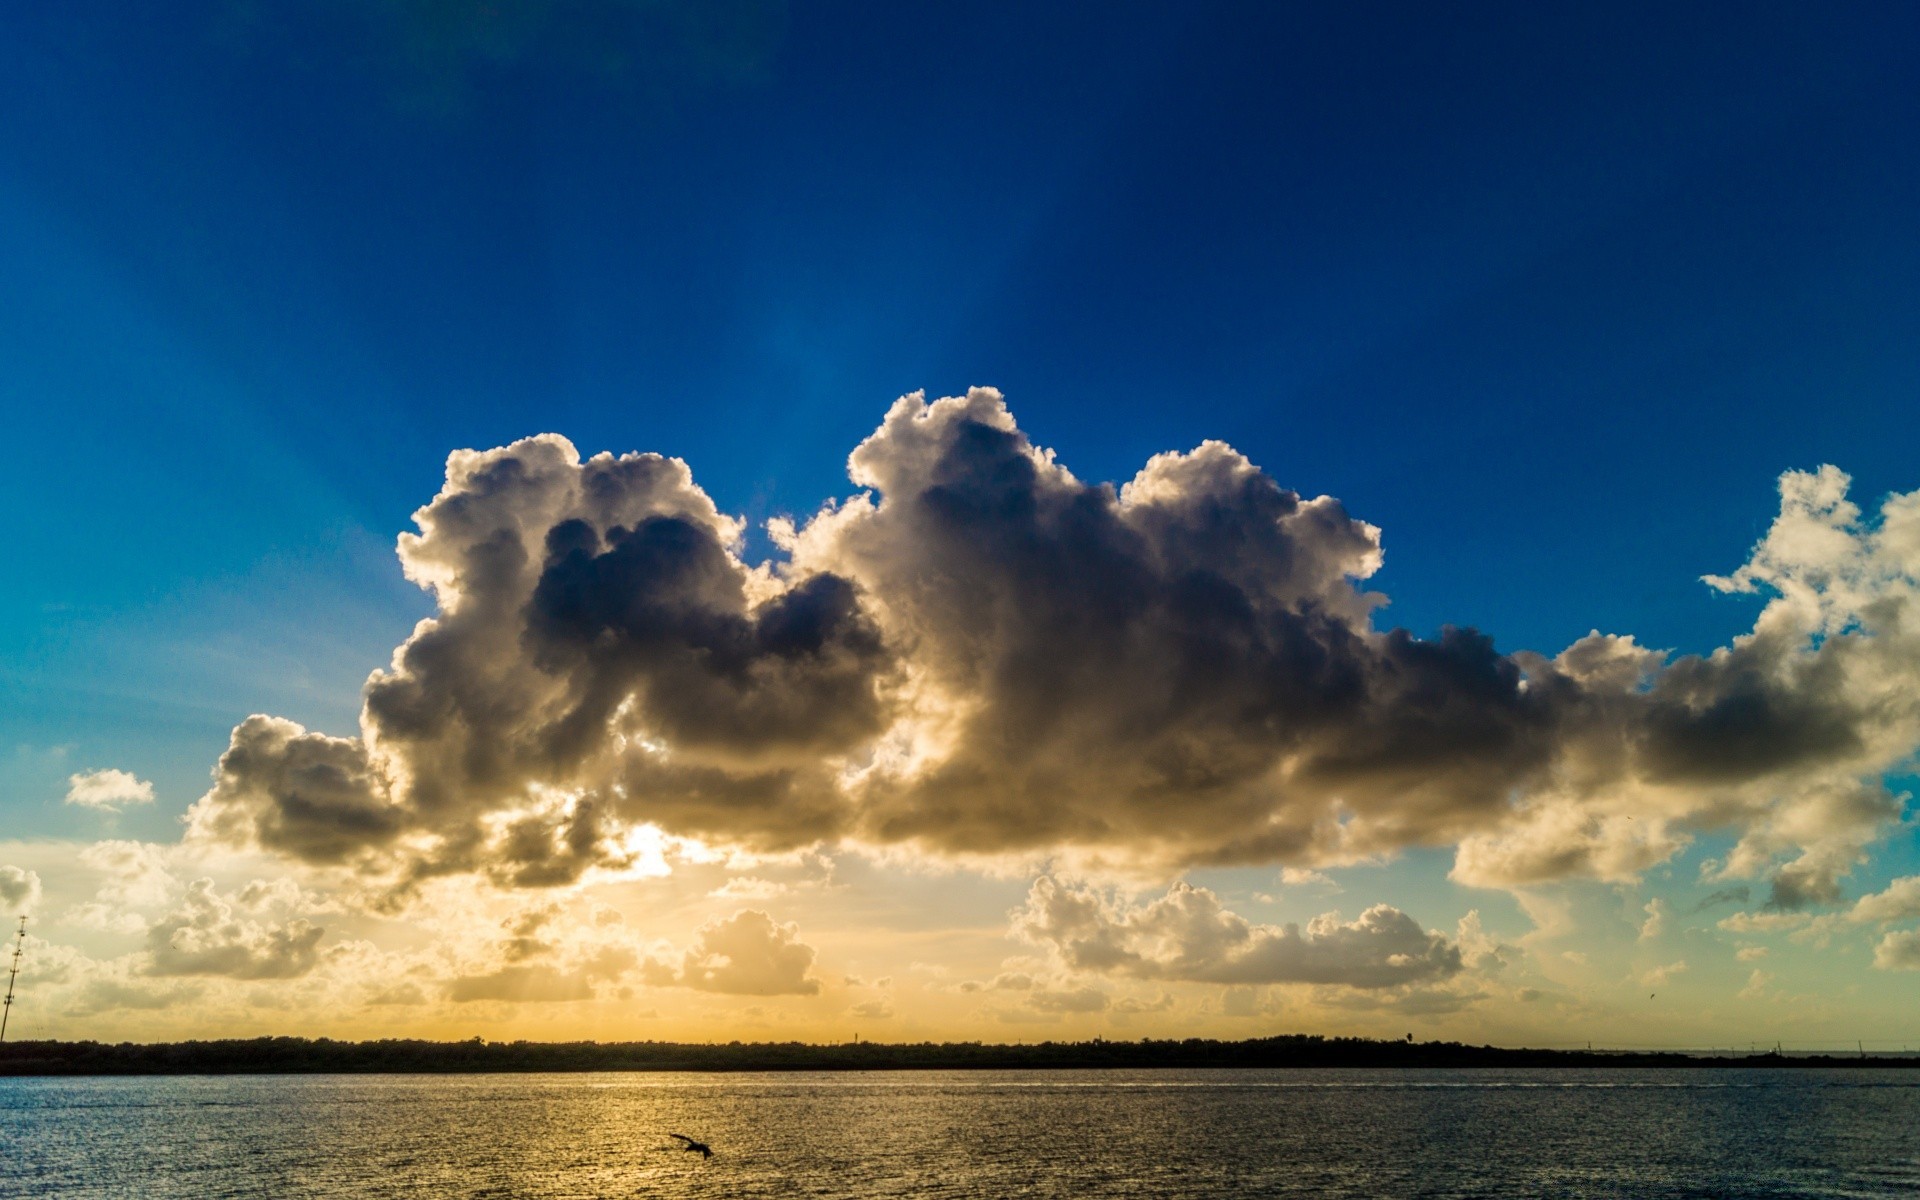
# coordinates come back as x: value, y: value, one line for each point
x: 970, y: 1134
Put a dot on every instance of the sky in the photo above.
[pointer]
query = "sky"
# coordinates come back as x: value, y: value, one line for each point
x: 642, y: 519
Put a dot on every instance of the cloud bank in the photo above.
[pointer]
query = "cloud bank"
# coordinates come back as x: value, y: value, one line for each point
x: 1187, y: 935
x: 980, y: 653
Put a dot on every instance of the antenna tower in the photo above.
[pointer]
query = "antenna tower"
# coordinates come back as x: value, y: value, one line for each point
x: 13, y: 973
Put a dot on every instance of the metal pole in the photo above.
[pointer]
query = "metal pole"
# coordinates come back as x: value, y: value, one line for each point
x: 13, y: 973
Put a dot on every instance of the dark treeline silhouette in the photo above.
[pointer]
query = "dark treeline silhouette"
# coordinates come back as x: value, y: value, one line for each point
x: 290, y: 1055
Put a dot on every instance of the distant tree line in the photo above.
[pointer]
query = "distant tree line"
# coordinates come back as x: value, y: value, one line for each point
x: 291, y: 1055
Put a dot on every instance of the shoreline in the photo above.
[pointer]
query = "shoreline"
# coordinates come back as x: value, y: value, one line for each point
x: 315, y: 1056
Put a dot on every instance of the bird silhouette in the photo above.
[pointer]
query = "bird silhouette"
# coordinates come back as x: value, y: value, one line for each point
x: 704, y: 1150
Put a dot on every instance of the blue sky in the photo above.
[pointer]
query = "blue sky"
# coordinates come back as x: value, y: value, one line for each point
x: 1550, y: 294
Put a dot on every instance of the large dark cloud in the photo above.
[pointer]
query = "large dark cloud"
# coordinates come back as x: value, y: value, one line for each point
x: 982, y: 654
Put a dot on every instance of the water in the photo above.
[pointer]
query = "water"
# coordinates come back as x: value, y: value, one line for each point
x: 1642, y: 1134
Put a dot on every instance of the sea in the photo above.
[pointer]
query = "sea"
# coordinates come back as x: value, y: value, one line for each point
x: 1164, y: 1133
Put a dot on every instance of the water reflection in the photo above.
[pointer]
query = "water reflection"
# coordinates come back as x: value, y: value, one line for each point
x: 970, y: 1134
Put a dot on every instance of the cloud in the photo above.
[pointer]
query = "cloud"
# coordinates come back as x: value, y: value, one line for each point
x: 749, y: 887
x: 1130, y: 1006
x: 1656, y: 923
x: 108, y: 790
x: 747, y: 954
x: 1733, y: 895
x: 1898, y: 951
x: 876, y: 1010
x: 1764, y: 922
x: 1899, y: 901
x: 206, y: 936
x: 110, y: 994
x: 521, y: 984
x: 602, y: 658
x: 400, y: 994
x: 19, y: 890
x: 1302, y: 877
x: 1068, y: 1000
x: 982, y: 654
x: 1656, y: 976
x: 1188, y: 935
x: 1006, y: 981
x: 538, y: 963
x: 137, y: 873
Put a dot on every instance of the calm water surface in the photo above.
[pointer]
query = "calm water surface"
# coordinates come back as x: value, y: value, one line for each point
x: 987, y: 1134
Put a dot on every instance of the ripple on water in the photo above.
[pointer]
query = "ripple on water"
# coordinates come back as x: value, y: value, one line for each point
x: 970, y: 1134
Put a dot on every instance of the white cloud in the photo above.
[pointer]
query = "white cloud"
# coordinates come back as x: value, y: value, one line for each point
x: 205, y: 935
x: 1899, y: 951
x: 1899, y: 901
x: 1656, y: 976
x: 749, y: 887
x: 19, y: 890
x: 1656, y: 922
x: 1188, y: 935
x: 108, y: 790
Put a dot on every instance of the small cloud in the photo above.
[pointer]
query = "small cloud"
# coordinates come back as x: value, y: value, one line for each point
x: 1656, y: 976
x: 749, y: 887
x: 521, y: 984
x: 108, y: 790
x: 19, y: 890
x: 1899, y: 901
x: 1732, y: 895
x: 1756, y: 985
x: 1750, y: 953
x: 1132, y: 1005
x: 1301, y: 877
x: 1898, y: 951
x: 1764, y: 922
x: 877, y: 1010
x: 1006, y: 981
x: 1069, y: 1000
x: 1656, y: 922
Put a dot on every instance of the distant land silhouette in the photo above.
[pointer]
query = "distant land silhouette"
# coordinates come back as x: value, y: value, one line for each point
x: 291, y: 1055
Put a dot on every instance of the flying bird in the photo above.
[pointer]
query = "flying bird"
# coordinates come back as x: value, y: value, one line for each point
x: 704, y: 1150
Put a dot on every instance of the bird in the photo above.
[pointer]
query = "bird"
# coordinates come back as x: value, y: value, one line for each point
x: 704, y: 1150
